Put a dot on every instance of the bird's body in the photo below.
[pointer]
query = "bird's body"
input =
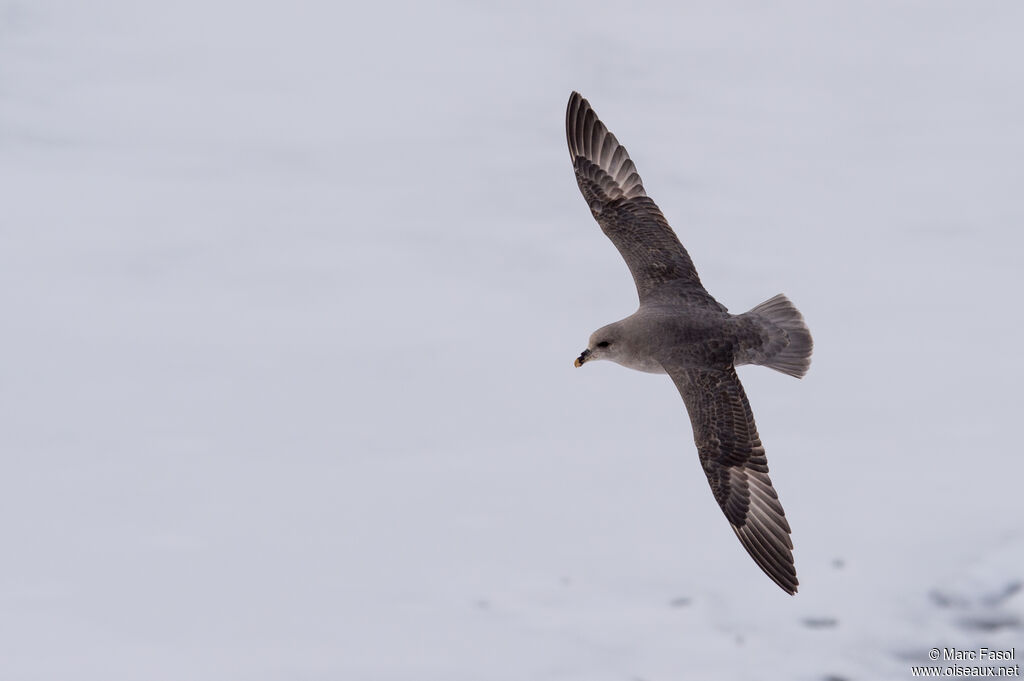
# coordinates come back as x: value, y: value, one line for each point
x: 681, y: 330
x: 695, y: 337
x: 691, y: 335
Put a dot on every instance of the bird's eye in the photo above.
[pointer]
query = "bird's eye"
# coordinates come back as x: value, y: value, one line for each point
x: 603, y: 344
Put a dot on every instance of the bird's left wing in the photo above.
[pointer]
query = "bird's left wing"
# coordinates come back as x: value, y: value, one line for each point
x: 732, y: 456
x: 616, y: 196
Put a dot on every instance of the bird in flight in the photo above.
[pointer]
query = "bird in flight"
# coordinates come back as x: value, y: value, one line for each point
x: 681, y: 330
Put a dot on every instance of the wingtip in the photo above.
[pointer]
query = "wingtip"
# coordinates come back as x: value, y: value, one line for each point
x: 774, y: 560
x: 790, y: 586
x: 576, y: 102
x: 577, y: 106
x: 787, y: 582
x: 588, y: 138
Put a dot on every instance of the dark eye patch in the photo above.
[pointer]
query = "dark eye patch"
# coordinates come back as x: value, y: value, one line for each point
x: 603, y: 344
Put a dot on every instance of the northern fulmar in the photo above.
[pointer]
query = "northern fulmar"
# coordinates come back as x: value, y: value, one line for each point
x: 681, y: 330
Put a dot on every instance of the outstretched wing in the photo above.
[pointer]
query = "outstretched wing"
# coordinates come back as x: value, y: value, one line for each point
x: 616, y: 196
x: 734, y: 461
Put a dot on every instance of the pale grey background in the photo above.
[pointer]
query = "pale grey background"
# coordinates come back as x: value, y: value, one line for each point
x: 290, y: 294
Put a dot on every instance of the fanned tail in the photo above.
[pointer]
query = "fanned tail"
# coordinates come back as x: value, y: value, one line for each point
x: 789, y: 344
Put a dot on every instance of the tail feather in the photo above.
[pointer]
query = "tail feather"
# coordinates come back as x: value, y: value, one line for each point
x: 789, y: 345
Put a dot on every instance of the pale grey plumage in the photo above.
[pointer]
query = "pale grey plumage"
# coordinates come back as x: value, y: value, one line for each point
x: 681, y: 330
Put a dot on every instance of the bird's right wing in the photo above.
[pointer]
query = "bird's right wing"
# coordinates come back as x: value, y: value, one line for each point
x: 732, y: 456
x: 613, y: 190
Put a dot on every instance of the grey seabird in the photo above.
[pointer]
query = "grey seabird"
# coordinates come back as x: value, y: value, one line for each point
x: 681, y: 330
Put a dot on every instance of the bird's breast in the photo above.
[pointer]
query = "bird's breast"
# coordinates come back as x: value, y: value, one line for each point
x: 641, y: 363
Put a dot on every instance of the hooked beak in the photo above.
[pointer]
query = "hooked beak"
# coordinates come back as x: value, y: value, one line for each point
x: 582, y: 358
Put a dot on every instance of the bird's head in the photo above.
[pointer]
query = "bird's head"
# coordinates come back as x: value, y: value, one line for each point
x: 605, y: 343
